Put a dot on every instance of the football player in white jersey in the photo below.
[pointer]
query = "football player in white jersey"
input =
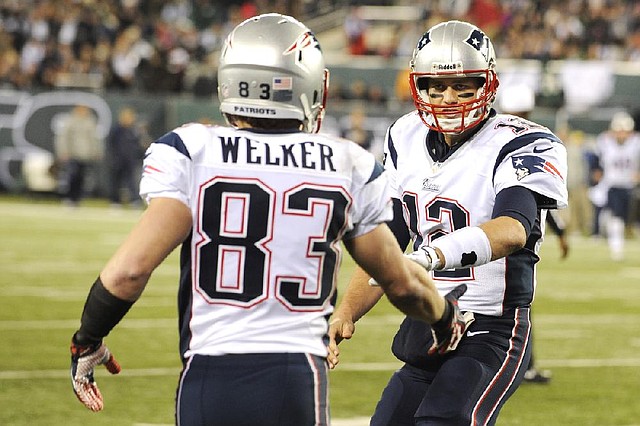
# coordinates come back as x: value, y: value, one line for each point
x: 260, y: 208
x: 618, y: 157
x: 469, y: 188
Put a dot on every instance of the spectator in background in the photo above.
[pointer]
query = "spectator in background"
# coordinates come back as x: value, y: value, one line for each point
x: 580, y: 208
x: 10, y: 75
x: 78, y: 148
x: 124, y: 152
x: 358, y: 90
x: 355, y: 28
x: 355, y: 130
x: 618, y: 154
x: 376, y: 96
x: 488, y: 15
x: 402, y: 87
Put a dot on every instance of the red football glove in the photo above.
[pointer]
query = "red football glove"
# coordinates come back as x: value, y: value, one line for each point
x: 448, y: 331
x: 83, y: 360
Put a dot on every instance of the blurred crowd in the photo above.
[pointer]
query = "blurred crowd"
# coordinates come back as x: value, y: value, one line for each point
x: 520, y: 29
x: 172, y: 45
x: 149, y: 45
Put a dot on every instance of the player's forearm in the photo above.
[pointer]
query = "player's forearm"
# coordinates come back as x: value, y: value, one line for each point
x: 420, y: 298
x: 506, y: 235
x: 359, y: 297
x: 163, y: 226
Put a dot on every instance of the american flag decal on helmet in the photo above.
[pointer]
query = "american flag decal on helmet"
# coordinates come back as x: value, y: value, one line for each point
x: 282, y: 83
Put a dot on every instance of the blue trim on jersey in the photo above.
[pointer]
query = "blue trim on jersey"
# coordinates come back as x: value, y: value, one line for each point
x: 392, y: 150
x: 377, y: 171
x: 173, y: 140
x: 520, y: 142
x: 398, y: 226
x: 185, y: 297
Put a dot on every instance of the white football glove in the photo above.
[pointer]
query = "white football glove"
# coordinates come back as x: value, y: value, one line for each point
x: 426, y: 257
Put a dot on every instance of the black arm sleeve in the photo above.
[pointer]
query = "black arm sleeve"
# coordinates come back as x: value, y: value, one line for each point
x: 398, y: 225
x: 102, y: 311
x: 518, y: 203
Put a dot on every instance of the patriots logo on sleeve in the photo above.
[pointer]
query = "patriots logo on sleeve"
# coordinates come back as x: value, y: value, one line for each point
x: 525, y: 165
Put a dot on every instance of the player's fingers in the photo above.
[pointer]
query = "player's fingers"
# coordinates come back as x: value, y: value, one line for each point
x: 332, y: 360
x: 458, y: 291
x: 347, y: 330
x: 433, y: 349
x: 89, y: 395
x: 112, y: 365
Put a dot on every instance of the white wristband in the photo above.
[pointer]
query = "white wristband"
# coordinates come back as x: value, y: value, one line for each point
x: 464, y: 248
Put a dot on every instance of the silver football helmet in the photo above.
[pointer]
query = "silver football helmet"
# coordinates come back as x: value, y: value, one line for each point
x: 271, y: 66
x: 447, y: 50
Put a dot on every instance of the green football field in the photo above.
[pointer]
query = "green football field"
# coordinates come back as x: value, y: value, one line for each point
x: 586, y: 317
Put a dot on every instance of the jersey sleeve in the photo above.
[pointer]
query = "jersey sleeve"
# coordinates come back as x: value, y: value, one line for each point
x: 166, y: 170
x: 537, y: 162
x: 372, y: 197
x: 391, y: 163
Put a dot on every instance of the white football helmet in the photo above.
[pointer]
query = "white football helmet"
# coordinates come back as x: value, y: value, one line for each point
x: 447, y: 50
x: 271, y: 66
x: 622, y: 122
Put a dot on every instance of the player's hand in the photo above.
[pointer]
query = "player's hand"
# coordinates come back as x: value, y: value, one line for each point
x: 339, y: 329
x: 448, y: 332
x: 84, y: 358
x: 426, y: 257
x: 564, y: 247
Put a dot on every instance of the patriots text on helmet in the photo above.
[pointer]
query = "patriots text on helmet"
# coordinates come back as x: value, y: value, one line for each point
x: 254, y: 110
x: 304, y: 155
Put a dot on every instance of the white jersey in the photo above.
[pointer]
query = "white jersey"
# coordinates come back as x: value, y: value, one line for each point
x: 258, y: 272
x: 620, y: 162
x: 441, y: 197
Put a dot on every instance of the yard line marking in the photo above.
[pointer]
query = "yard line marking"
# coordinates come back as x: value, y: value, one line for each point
x: 590, y: 363
x: 57, y: 211
x: 595, y: 319
x: 70, y: 294
x: 58, y: 374
x: 68, y: 324
x: 354, y: 366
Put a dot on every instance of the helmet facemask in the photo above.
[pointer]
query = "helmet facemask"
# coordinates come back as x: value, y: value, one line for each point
x: 461, y: 116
